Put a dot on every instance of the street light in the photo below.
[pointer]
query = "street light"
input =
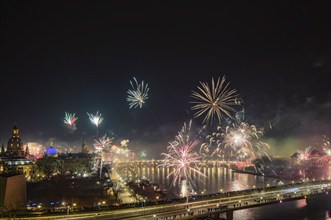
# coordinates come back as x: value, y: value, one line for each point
x: 143, y: 205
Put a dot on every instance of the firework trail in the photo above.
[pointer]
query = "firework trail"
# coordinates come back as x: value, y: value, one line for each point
x: 183, y: 158
x: 95, y: 119
x: 100, y: 145
x: 138, y: 94
x: 70, y: 120
x: 215, y: 101
x: 306, y: 153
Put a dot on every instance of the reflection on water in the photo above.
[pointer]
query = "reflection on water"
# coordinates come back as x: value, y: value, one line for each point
x: 219, y: 178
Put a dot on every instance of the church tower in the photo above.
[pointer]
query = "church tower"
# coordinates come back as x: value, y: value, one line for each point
x: 27, y: 152
x: 3, y: 151
x: 15, y: 145
x: 84, y: 147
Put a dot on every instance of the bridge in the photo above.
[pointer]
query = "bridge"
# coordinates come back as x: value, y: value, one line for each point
x: 209, y: 205
x: 154, y: 163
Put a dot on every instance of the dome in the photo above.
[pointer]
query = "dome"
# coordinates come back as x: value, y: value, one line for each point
x: 51, y: 151
x: 14, y: 142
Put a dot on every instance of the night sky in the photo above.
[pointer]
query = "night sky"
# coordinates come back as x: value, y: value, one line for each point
x: 79, y: 56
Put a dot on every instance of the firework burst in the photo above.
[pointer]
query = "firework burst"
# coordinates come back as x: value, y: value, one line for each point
x: 125, y: 143
x: 138, y: 94
x: 36, y: 150
x: 183, y: 159
x: 100, y: 146
x: 143, y: 154
x: 238, y: 139
x: 215, y: 101
x: 102, y: 143
x: 326, y: 149
x: 240, y: 135
x: 95, y: 119
x: 70, y: 120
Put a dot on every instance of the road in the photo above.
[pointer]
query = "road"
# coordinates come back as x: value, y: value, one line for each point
x: 207, y: 205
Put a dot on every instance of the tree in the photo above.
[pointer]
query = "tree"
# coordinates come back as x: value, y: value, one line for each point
x: 48, y: 166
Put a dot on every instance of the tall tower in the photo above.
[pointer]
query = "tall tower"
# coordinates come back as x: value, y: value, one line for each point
x: 329, y: 168
x: 84, y: 147
x: 2, y: 152
x: 27, y: 152
x: 15, y: 145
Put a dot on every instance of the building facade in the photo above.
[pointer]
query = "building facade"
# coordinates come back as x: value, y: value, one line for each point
x: 13, y: 158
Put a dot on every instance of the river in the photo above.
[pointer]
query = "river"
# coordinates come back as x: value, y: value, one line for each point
x: 219, y: 178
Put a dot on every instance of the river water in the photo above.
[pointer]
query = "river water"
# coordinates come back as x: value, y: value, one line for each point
x: 219, y: 178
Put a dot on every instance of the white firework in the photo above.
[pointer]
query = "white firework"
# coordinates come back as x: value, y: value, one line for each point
x: 215, y: 101
x: 138, y: 94
x: 95, y: 119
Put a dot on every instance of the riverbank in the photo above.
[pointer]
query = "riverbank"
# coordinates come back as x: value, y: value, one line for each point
x: 279, y: 177
x: 256, y: 173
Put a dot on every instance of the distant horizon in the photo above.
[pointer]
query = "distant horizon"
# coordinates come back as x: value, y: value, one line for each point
x: 282, y: 147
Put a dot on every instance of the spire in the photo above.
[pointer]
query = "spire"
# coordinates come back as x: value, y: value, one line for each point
x: 15, y: 130
x: 2, y: 149
x: 84, y: 147
x: 27, y: 153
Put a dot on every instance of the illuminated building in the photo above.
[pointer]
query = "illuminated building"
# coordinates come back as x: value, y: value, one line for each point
x: 13, y: 159
x: 51, y: 152
x: 15, y: 145
x: 56, y: 163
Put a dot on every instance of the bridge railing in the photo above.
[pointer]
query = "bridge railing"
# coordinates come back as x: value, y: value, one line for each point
x: 244, y: 198
x: 209, y: 205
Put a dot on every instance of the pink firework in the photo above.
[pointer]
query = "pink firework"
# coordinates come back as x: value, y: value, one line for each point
x: 103, y: 143
x: 305, y: 154
x: 70, y: 120
x: 183, y: 159
x: 326, y: 148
